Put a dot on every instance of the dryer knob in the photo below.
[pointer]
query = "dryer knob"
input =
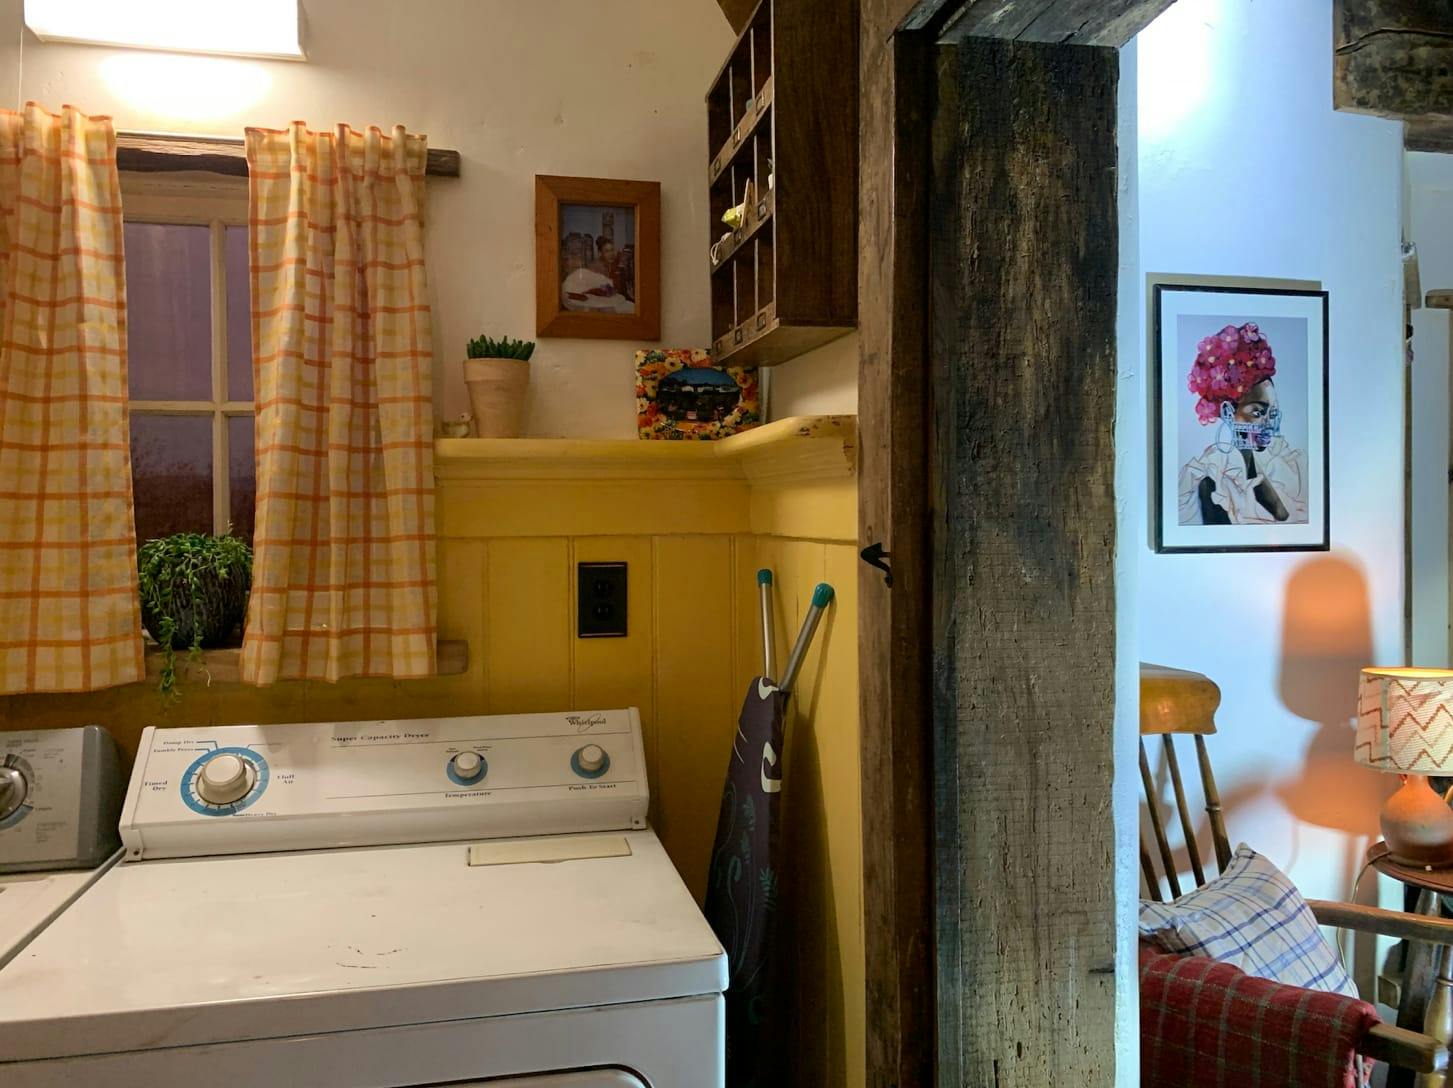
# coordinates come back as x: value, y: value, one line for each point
x: 223, y: 779
x: 467, y: 764
x: 468, y: 768
x: 591, y: 758
x: 13, y: 790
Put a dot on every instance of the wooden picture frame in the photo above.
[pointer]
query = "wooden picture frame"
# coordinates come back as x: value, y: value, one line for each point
x: 614, y: 279
x: 1289, y: 354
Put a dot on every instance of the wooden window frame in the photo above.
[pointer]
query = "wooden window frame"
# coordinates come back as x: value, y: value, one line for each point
x: 193, y: 199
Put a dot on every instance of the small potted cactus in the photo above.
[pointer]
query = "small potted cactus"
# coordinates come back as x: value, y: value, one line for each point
x: 497, y: 374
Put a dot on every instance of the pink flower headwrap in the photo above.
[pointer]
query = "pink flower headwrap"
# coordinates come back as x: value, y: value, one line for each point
x: 1227, y: 365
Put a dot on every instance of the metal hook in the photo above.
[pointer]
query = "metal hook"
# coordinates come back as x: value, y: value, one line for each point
x: 874, y: 556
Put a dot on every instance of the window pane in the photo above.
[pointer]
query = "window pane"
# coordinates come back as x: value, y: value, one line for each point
x: 241, y: 474
x: 169, y: 311
x: 171, y: 471
x: 239, y: 315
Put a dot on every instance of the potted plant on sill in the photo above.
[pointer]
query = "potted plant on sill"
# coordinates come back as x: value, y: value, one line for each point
x: 497, y: 374
x: 194, y: 589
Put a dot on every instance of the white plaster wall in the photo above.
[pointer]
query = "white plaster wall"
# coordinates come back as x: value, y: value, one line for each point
x: 1430, y: 227
x: 1246, y: 170
x: 823, y: 382
x: 550, y: 87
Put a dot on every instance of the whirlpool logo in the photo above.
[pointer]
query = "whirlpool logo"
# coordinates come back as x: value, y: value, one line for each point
x: 584, y: 723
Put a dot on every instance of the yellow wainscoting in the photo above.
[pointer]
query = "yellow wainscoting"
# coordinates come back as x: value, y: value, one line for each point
x: 694, y: 521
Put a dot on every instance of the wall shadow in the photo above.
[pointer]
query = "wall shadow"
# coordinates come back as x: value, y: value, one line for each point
x: 1326, y: 641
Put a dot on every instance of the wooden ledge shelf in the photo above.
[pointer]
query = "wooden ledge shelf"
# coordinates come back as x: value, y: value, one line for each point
x: 224, y: 666
x: 788, y: 450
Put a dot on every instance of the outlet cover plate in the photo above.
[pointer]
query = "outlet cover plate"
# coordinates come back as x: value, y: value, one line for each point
x: 600, y: 596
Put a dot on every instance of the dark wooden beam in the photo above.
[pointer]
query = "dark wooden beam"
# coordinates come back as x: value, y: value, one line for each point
x: 899, y: 885
x: 1023, y: 262
x: 893, y: 627
x: 1429, y: 136
x: 1394, y: 58
x: 738, y: 12
x: 1061, y: 22
x: 147, y: 154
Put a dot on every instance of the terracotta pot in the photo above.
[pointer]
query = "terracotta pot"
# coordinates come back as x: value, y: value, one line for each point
x: 497, y: 395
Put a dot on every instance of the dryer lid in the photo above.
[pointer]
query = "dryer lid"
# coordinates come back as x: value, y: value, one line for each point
x: 175, y: 953
x: 591, y: 1078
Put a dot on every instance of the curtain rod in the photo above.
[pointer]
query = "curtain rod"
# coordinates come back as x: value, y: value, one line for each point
x: 157, y: 152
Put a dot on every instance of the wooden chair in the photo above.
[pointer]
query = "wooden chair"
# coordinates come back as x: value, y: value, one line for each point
x: 1175, y: 703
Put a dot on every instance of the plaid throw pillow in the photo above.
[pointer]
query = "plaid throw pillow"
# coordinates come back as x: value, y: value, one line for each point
x: 1253, y: 918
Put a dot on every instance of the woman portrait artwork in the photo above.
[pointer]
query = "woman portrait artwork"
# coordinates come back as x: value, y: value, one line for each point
x: 1240, y: 458
x: 597, y: 259
x: 1249, y: 474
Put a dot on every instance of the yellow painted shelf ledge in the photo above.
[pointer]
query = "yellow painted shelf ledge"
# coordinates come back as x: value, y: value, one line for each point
x: 223, y: 666
x: 799, y: 448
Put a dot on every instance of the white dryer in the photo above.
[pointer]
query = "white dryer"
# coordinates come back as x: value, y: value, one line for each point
x: 60, y: 793
x: 378, y: 905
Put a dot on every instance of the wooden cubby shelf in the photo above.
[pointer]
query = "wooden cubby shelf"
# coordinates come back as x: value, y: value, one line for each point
x: 782, y: 121
x: 759, y: 215
x: 760, y: 108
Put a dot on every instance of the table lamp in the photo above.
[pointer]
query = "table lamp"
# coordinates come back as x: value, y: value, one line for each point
x: 1405, y: 724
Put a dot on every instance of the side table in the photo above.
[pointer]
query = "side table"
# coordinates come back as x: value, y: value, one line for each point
x: 1426, y: 1003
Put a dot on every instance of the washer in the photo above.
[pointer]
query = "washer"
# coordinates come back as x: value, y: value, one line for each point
x: 371, y: 904
x: 60, y: 795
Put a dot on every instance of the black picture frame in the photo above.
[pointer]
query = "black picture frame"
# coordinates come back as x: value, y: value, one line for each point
x: 1258, y: 538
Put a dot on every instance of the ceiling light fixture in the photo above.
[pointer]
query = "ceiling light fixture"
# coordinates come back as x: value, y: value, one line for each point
x: 257, y: 28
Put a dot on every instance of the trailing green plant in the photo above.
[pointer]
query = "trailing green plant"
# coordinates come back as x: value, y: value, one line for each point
x: 486, y: 347
x: 194, y: 590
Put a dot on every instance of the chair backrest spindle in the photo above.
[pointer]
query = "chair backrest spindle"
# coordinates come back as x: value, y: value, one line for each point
x: 1147, y: 870
x: 1157, y: 826
x: 1187, y: 828
x: 1213, y: 807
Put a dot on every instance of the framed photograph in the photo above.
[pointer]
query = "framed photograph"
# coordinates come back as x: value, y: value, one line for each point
x: 1240, y: 418
x: 682, y: 394
x: 597, y: 258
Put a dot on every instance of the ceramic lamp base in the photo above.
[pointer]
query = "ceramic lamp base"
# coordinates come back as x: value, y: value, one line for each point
x: 1418, y: 825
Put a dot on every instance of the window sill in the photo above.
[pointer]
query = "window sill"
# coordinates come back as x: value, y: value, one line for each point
x: 224, y: 666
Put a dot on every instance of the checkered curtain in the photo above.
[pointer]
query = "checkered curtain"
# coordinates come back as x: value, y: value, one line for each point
x: 69, y: 612
x: 343, y: 577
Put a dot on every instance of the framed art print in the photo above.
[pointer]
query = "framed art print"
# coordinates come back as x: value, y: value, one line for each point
x: 597, y: 258
x: 1240, y: 418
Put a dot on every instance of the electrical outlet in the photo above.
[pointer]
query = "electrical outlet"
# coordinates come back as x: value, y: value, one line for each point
x: 600, y: 600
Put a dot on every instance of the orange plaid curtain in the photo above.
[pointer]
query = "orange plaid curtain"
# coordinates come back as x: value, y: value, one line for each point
x: 69, y: 611
x: 343, y: 575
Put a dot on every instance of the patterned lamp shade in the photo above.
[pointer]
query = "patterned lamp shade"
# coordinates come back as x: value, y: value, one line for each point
x: 1405, y: 720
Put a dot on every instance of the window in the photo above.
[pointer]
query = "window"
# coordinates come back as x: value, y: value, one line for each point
x: 189, y: 340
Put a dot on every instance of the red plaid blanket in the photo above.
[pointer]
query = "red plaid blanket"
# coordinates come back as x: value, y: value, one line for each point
x: 1207, y: 1023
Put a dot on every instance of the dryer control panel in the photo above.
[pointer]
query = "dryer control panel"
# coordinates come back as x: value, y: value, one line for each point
x: 249, y: 788
x: 60, y: 793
